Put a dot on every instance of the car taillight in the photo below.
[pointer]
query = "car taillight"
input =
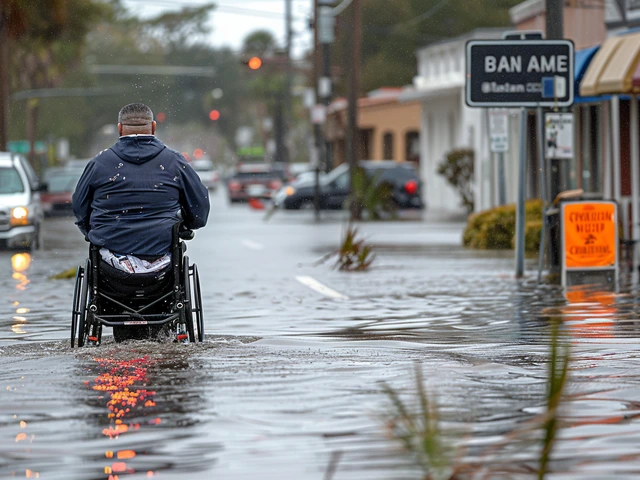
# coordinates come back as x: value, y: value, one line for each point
x: 275, y: 184
x: 235, y: 186
x: 411, y: 187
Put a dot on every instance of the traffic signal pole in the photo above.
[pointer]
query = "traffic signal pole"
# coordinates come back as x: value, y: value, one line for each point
x: 353, y: 67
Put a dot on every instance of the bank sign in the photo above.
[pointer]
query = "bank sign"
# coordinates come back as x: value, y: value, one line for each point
x: 519, y: 73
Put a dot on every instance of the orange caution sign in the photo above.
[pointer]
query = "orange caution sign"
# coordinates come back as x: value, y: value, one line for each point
x: 590, y: 234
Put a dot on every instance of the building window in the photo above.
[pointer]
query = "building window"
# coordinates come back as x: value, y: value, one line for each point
x: 412, y: 145
x: 387, y: 146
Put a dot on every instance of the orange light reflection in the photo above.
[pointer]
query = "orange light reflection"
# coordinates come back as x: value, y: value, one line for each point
x: 123, y: 386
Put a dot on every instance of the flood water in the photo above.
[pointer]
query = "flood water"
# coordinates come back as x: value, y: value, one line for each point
x: 288, y: 385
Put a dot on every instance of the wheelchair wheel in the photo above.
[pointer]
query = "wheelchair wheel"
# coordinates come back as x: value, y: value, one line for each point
x: 188, y: 309
x: 197, y: 303
x: 75, y: 309
x: 79, y: 320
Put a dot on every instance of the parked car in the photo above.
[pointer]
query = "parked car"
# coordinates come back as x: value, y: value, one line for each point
x: 61, y: 183
x: 207, y: 173
x: 254, y: 181
x: 335, y: 186
x: 20, y: 210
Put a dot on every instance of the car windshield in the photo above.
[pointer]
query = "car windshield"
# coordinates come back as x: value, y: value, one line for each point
x: 335, y: 173
x: 10, y: 181
x: 62, y: 182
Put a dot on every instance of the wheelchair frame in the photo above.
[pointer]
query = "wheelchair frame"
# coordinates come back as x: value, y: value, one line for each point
x: 185, y: 297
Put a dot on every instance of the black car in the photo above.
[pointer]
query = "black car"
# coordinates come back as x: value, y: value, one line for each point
x: 334, y: 186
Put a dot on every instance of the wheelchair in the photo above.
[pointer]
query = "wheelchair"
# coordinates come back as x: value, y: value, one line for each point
x: 140, y: 305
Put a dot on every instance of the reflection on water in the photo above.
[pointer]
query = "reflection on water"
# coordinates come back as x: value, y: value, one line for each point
x: 122, y: 383
x: 20, y: 263
x: 142, y: 395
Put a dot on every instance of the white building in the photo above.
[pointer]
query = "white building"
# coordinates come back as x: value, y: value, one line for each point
x: 448, y: 124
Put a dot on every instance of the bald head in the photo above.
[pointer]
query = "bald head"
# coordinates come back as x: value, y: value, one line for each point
x: 136, y: 119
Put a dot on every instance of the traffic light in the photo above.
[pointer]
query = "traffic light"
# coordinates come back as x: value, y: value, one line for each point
x: 214, y: 115
x: 254, y: 63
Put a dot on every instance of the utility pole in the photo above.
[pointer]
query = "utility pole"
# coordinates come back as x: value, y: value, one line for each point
x: 555, y: 19
x: 326, y: 36
x: 353, y: 67
x: 288, y: 82
x: 553, y: 169
x: 4, y: 81
x: 317, y: 128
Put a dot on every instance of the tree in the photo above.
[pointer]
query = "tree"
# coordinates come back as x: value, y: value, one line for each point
x: 46, y: 40
x: 392, y: 31
x: 259, y: 43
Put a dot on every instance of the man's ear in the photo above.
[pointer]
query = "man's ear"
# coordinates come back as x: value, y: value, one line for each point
x: 119, y: 129
x: 153, y: 127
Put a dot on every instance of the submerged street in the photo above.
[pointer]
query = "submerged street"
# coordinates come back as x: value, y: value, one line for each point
x: 287, y: 384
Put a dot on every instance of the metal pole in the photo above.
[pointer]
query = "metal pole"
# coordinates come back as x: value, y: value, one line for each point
x: 353, y: 67
x: 543, y: 188
x: 615, y: 148
x: 326, y: 73
x: 502, y: 182
x: 606, y: 132
x: 635, y: 187
x: 286, y: 117
x: 555, y: 19
x: 520, y: 210
x: 317, y: 128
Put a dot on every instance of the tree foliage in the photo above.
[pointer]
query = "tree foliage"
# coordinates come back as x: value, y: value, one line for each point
x: 393, y: 31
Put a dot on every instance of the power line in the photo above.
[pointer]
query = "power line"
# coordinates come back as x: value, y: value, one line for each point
x: 220, y: 9
x: 428, y: 14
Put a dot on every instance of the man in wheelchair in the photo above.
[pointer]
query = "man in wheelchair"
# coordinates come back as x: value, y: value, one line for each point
x: 134, y: 202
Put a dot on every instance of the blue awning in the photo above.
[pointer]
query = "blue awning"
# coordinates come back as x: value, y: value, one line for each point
x: 582, y: 60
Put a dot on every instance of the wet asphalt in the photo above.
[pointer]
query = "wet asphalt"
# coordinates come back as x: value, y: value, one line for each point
x: 288, y: 384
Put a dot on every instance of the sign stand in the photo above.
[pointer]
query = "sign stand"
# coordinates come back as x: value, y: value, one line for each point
x: 543, y: 185
x: 589, y: 231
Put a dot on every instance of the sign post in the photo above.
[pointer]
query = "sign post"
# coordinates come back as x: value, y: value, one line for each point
x: 524, y: 74
x: 589, y: 242
x: 499, y: 144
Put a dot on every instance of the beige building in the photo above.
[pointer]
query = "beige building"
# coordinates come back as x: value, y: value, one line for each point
x: 388, y: 129
x: 584, y: 22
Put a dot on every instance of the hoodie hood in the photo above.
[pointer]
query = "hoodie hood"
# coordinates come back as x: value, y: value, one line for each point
x: 138, y: 149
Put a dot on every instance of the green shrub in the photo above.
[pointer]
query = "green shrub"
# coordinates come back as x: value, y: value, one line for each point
x: 495, y: 229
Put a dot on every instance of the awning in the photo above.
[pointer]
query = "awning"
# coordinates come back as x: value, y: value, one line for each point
x: 617, y: 75
x: 582, y: 60
x: 589, y: 84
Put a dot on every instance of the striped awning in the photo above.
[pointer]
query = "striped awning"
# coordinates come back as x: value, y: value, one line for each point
x: 589, y: 84
x: 613, y: 68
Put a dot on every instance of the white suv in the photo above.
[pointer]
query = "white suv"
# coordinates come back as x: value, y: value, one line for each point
x: 20, y: 210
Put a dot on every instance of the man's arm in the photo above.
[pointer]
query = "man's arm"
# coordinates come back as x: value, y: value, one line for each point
x: 81, y: 199
x: 195, y: 197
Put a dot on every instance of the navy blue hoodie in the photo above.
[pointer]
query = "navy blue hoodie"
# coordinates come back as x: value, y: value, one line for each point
x: 130, y: 195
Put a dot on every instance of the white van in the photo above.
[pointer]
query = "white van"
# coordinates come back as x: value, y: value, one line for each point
x: 20, y: 210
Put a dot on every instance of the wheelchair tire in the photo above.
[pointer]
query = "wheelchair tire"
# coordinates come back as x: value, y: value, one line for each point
x: 83, y: 328
x: 188, y: 310
x: 197, y: 305
x: 75, y: 312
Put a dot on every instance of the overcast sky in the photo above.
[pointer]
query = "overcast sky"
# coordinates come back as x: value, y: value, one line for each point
x: 233, y: 20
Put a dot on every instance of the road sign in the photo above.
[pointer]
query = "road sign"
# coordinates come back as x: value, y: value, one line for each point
x: 589, y: 237
x: 558, y: 135
x: 499, y: 130
x: 519, y: 73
